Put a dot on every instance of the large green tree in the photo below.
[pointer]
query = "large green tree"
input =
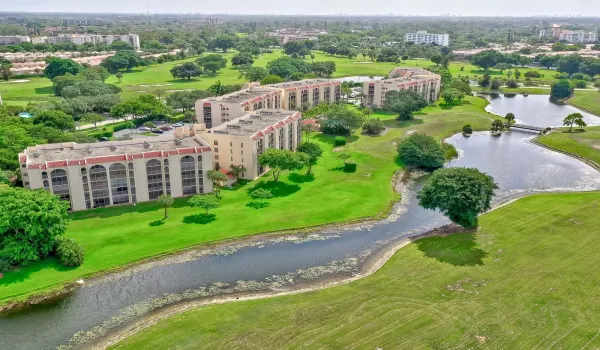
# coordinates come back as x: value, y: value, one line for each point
x: 420, y: 150
x: 459, y: 193
x: 487, y: 59
x: 340, y: 119
x: 205, y: 201
x: 122, y: 60
x: 405, y: 103
x: 313, y: 151
x: 55, y: 119
x: 574, y: 119
x: 561, y: 89
x: 279, y: 160
x: 187, y: 71
x: 30, y: 223
x: 61, y: 66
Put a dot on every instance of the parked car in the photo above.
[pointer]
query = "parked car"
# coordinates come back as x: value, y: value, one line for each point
x: 165, y: 128
x: 103, y: 139
x: 178, y: 124
x: 144, y: 128
x: 157, y: 131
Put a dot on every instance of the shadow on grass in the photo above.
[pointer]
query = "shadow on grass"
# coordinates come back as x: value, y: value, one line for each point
x: 200, y: 219
x: 23, y: 273
x: 329, y: 138
x: 258, y: 205
x: 301, y: 178
x: 279, y: 189
x: 108, y: 212
x: 46, y: 90
x: 157, y: 223
x: 337, y: 168
x: 457, y: 249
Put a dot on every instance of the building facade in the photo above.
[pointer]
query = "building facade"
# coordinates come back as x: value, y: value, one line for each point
x: 422, y: 37
x: 119, y: 172
x: 14, y: 39
x: 242, y: 140
x: 571, y: 36
x: 421, y: 81
x: 291, y: 34
x: 214, y: 111
x: 79, y: 39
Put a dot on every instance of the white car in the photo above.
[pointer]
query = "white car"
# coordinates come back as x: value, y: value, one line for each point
x: 144, y: 128
x: 178, y: 125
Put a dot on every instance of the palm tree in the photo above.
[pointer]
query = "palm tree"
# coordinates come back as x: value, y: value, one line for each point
x: 237, y: 170
x: 166, y: 201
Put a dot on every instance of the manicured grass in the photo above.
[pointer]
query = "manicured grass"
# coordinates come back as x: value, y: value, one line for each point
x: 527, y: 279
x: 584, y: 144
x: 112, y: 237
x: 587, y: 100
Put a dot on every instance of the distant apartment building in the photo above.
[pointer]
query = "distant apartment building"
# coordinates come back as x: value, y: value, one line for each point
x: 79, y: 39
x: 571, y: 36
x: 421, y: 81
x: 119, y: 172
x: 291, y: 34
x: 242, y: 140
x: 214, y: 111
x: 14, y: 39
x: 422, y: 37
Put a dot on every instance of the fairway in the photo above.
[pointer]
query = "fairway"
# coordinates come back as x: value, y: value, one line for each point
x: 583, y: 144
x: 112, y: 237
x: 527, y: 279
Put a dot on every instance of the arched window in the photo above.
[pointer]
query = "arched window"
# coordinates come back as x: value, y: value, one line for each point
x: 99, y: 184
x: 60, y: 184
x: 292, y: 100
x: 327, y: 94
x: 118, y: 183
x: 46, y: 185
x: 188, y: 175
x: 155, y: 178
x: 86, y: 192
x: 255, y: 107
x: 260, y: 105
x: 316, y: 95
x: 304, y: 97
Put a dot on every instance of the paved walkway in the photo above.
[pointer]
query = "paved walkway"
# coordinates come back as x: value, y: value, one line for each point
x: 106, y: 122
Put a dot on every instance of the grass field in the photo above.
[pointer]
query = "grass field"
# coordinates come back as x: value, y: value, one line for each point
x: 115, y: 236
x: 527, y: 279
x: 584, y: 144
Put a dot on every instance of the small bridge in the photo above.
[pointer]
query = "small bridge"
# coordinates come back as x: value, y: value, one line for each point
x: 526, y: 127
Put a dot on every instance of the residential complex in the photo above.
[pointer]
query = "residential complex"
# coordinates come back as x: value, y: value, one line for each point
x: 79, y: 39
x: 291, y: 34
x: 571, y: 36
x: 421, y: 81
x: 214, y: 111
x: 119, y: 172
x: 14, y: 39
x: 242, y: 140
x: 422, y: 37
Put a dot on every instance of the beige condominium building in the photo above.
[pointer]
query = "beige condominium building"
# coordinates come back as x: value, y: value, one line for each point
x: 242, y: 140
x: 421, y: 81
x: 119, y: 172
x: 214, y: 111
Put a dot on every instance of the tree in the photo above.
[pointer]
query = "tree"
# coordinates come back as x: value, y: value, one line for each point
x: 120, y: 46
x: 237, y: 170
x: 510, y: 118
x: 185, y: 100
x: 271, y: 79
x: 212, y: 67
x: 30, y: 223
x: 205, y: 201
x: 420, y: 150
x: 496, y: 84
x: 561, y: 89
x: 497, y: 126
x: 119, y: 76
x: 373, y: 126
x: 569, y: 64
x: 404, y: 102
x: 459, y: 193
x: 323, y: 68
x: 212, y: 62
x: 452, y: 95
x: 502, y: 67
x: 574, y: 119
x: 485, y: 81
x: 55, y: 119
x: 122, y: 60
x: 467, y: 129
x: 5, y: 66
x: 242, y: 58
x: 286, y: 66
x: 279, y: 160
x: 261, y: 194
x: 254, y: 73
x: 217, y: 178
x: 597, y: 85
x: 223, y: 42
x: 487, y: 59
x: 187, y: 71
x: 548, y: 61
x: 91, y: 118
x: 166, y: 201
x: 580, y: 123
x: 61, y: 66
x: 313, y: 151
x: 341, y: 120
x: 437, y: 58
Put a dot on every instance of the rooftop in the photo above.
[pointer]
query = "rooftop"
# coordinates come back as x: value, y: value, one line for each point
x: 251, y: 123
x: 75, y: 151
x: 301, y: 83
x: 244, y: 95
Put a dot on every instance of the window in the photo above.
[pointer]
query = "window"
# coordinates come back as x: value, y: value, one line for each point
x: 188, y: 175
x: 304, y: 97
x: 99, y: 185
x: 83, y: 171
x: 316, y: 93
x: 292, y: 100
x: 155, y: 178
x: 216, y: 156
x: 216, y: 142
x: 60, y: 184
x: 132, y: 185
x: 242, y: 145
x: 118, y: 183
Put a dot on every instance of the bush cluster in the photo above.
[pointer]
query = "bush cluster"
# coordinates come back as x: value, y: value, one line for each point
x: 339, y: 141
x: 68, y: 252
x: 373, y: 126
x: 349, y: 166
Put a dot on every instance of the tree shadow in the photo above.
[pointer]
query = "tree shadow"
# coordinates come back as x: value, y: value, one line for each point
x: 457, y: 249
x: 258, y: 205
x: 156, y: 223
x: 200, y: 219
x: 279, y: 189
x: 46, y: 90
x: 301, y: 178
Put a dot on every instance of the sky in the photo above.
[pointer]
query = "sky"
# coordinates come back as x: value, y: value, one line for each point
x: 318, y: 7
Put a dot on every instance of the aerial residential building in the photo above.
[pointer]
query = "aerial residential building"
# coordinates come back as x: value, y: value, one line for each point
x: 119, y: 172
x: 214, y: 111
x: 571, y: 36
x: 421, y: 81
x: 422, y: 37
x: 14, y: 39
x: 291, y: 34
x: 79, y: 39
x: 242, y: 140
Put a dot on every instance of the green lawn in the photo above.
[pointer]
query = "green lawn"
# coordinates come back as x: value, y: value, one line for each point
x: 527, y: 279
x: 587, y: 100
x: 112, y: 237
x: 584, y: 144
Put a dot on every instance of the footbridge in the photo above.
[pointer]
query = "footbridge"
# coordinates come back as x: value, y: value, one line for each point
x: 527, y: 127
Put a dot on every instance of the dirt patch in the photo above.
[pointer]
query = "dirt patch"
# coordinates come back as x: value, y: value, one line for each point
x: 338, y: 149
x: 16, y: 81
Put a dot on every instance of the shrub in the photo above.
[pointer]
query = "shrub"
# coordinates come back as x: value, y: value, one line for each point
x: 123, y: 126
x: 99, y: 134
x: 339, y: 141
x: 561, y: 76
x: 579, y: 84
x: 450, y: 151
x: 349, y: 166
x: 467, y: 129
x: 5, y: 265
x: 373, y: 126
x: 580, y: 76
x: 68, y: 252
x: 511, y: 83
x: 421, y: 150
x: 533, y: 74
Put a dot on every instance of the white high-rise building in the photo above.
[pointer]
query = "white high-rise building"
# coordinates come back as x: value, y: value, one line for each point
x: 422, y: 37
